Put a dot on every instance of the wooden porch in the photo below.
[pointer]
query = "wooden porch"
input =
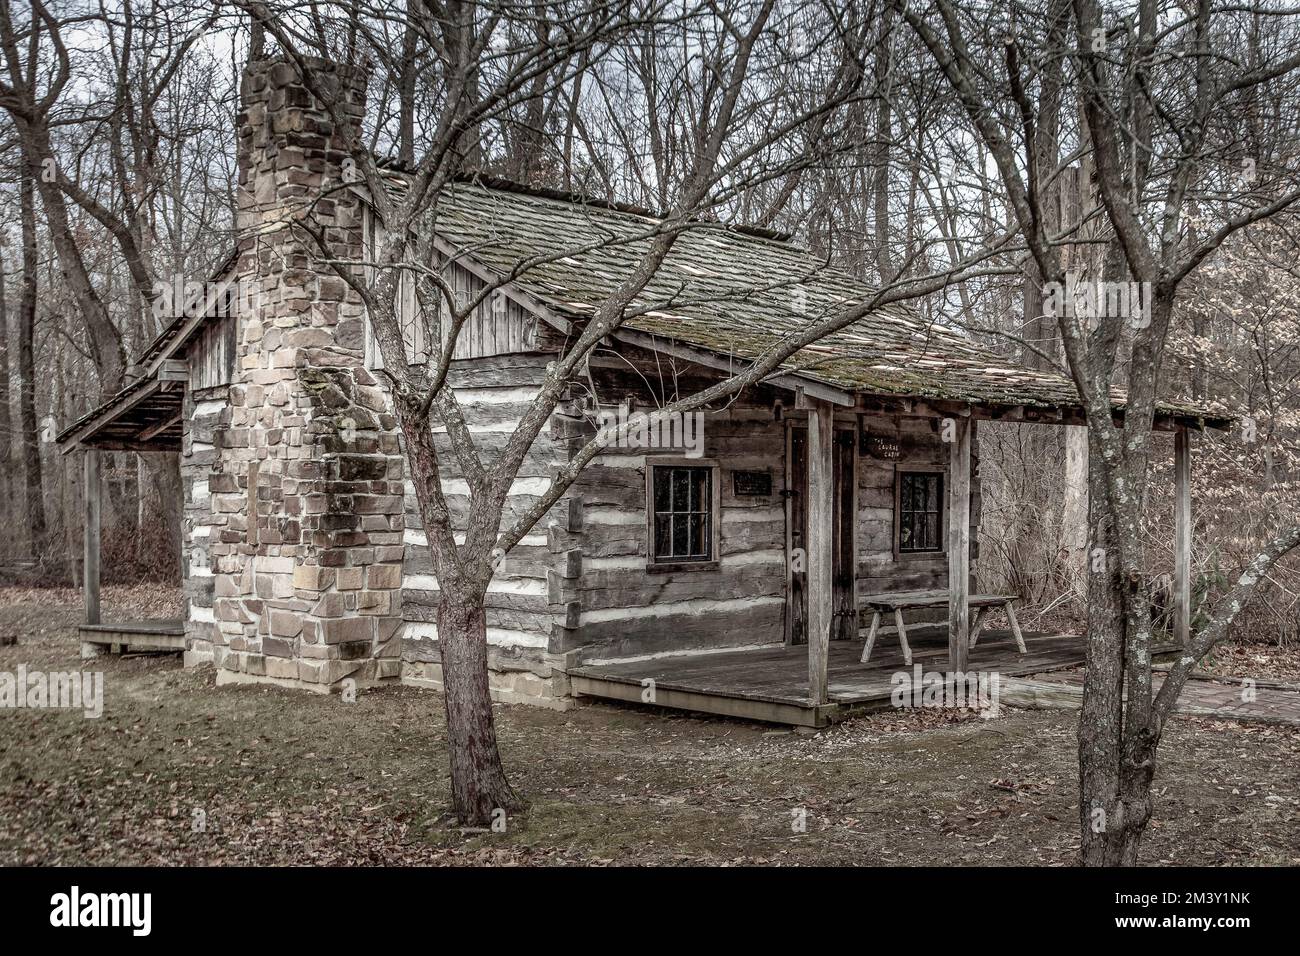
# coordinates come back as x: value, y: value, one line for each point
x: 822, y: 538
x: 820, y: 681
x: 160, y: 419
x: 771, y: 683
x: 132, y: 636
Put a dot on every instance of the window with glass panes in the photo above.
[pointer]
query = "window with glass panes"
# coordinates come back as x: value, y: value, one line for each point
x: 682, y: 497
x: 920, y: 511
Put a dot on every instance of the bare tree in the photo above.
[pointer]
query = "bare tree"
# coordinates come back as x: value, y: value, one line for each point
x: 29, y: 96
x: 28, y: 429
x: 478, y: 781
x: 734, y: 131
x: 1161, y: 97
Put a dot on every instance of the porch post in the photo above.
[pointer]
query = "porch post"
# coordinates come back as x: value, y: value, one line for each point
x: 90, y: 554
x: 1182, y: 536
x: 958, y: 542
x: 821, y: 511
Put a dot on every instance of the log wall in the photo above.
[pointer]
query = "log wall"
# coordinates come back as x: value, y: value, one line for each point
x: 494, y: 393
x: 580, y: 582
x: 625, y: 608
x: 206, y: 417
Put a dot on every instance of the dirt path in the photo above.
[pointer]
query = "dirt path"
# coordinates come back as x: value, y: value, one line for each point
x: 1242, y: 699
x: 285, y: 777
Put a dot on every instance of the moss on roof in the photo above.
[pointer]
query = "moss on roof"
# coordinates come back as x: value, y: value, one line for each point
x: 738, y: 293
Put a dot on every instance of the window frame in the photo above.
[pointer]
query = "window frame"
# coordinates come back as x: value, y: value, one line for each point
x: 713, y: 562
x: 900, y: 470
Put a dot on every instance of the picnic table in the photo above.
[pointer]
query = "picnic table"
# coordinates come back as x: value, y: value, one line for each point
x: 900, y: 601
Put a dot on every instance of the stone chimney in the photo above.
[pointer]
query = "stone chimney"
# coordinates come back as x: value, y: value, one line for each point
x: 308, y: 567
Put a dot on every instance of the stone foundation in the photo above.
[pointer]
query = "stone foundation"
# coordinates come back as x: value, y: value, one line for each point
x: 511, y: 680
x: 507, y: 687
x: 516, y: 674
x: 321, y: 677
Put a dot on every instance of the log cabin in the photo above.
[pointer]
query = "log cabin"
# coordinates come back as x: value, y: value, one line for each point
x: 729, y: 568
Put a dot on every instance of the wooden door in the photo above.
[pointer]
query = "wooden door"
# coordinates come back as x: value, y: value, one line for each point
x: 844, y: 621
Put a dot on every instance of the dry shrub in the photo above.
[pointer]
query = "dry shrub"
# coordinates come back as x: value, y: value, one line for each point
x: 1022, y: 545
x: 1241, y: 495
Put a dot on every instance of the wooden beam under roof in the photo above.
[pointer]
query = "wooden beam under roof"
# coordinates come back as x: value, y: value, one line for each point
x: 908, y: 407
x: 119, y: 424
x: 820, y: 543
x: 958, y: 517
x: 734, y: 365
x: 91, y: 492
x: 155, y: 430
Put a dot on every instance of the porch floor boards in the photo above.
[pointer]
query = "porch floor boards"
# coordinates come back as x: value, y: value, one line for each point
x: 152, y: 635
x: 772, y: 683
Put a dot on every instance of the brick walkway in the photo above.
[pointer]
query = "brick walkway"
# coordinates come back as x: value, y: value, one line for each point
x: 1266, y: 702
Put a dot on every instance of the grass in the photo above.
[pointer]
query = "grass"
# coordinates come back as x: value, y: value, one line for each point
x: 284, y: 777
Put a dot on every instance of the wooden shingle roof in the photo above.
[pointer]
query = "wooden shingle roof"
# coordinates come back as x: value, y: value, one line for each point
x: 730, y: 291
x: 737, y: 292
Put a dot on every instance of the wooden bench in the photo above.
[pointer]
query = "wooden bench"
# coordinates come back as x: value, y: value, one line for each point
x: 900, y: 601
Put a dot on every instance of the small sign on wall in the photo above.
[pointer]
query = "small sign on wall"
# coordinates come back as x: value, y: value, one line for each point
x: 751, y: 484
x: 881, y: 447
